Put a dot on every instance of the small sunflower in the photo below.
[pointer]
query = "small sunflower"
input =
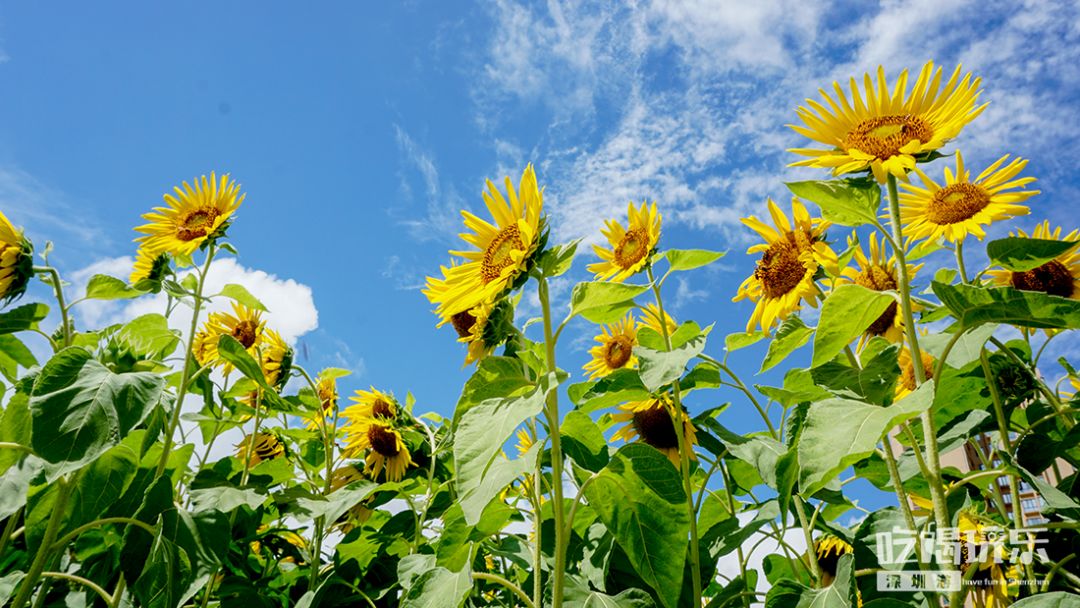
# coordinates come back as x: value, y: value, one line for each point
x: 483, y: 328
x: 828, y: 550
x: 650, y: 317
x: 878, y: 274
x: 630, y: 247
x: 245, y: 324
x: 192, y: 216
x: 785, y: 275
x: 1058, y: 277
x: 906, y: 383
x: 371, y: 405
x: 386, y: 449
x: 16, y: 261
x: 963, y: 206
x: 276, y: 358
x: 503, y: 251
x: 149, y: 266
x: 616, y: 348
x: 650, y: 421
x: 326, y: 391
x: 358, y: 513
x: 525, y: 443
x: 995, y: 579
x: 888, y: 133
x: 265, y: 446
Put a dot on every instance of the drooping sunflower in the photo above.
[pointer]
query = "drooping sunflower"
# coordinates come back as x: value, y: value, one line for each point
x: 264, y: 446
x: 149, y: 265
x: 877, y: 273
x: 245, y: 324
x: 828, y: 549
x: 650, y: 421
x: 995, y: 580
x: 16, y: 261
x: 358, y: 513
x: 650, y: 317
x: 326, y: 392
x: 791, y: 256
x: 886, y: 132
x: 630, y: 247
x: 963, y: 206
x: 906, y: 383
x: 281, y: 544
x: 276, y: 357
x: 192, y: 216
x: 504, y: 250
x: 616, y: 348
x: 386, y: 451
x: 1058, y: 277
x: 483, y: 328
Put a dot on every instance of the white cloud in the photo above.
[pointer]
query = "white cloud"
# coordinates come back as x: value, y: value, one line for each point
x: 441, y: 217
x: 45, y: 212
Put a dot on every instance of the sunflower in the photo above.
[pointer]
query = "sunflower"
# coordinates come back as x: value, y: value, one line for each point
x: 630, y: 247
x: 906, y: 383
x: 386, y: 449
x: 16, y: 261
x: 887, y: 133
x: 245, y: 324
x: 149, y: 266
x: 982, y: 547
x: 650, y: 317
x: 790, y: 258
x: 326, y: 391
x: 650, y: 421
x: 266, y: 446
x: 616, y: 348
x: 828, y: 550
x: 371, y: 405
x: 878, y: 274
x: 503, y: 251
x: 283, y: 545
x: 525, y: 443
x: 276, y: 358
x: 963, y: 206
x: 192, y: 216
x: 358, y: 513
x: 1058, y: 277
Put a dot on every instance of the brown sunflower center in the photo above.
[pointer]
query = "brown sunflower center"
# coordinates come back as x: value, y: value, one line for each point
x: 907, y: 373
x: 879, y: 278
x: 383, y: 440
x: 780, y: 269
x: 196, y: 224
x: 618, y: 352
x: 1051, y: 278
x: 956, y: 203
x: 498, y: 256
x: 655, y: 428
x: 245, y: 333
x: 633, y: 247
x: 463, y: 323
x: 382, y: 409
x: 883, y: 136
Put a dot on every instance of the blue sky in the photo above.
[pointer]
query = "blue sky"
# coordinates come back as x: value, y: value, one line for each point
x: 359, y: 130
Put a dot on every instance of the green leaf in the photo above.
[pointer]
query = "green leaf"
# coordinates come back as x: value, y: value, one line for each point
x: 242, y: 296
x: 80, y: 408
x: 148, y: 337
x: 583, y: 441
x: 1055, y: 599
x: 1020, y: 254
x: 165, y: 577
x: 689, y: 259
x: 226, y: 499
x: 972, y: 306
x: 793, y: 333
x: 799, y: 387
x: 850, y: 202
x: 102, y: 483
x: 14, y: 354
x: 15, y: 424
x: 846, y: 314
x: 875, y: 382
x: 338, y: 502
x: 618, y: 387
x: 840, y: 594
x: 8, y: 584
x: 639, y: 497
x: 840, y: 432
x: 494, y: 377
x: 579, y: 595
x: 657, y: 368
x: 966, y: 349
x: 232, y: 351
x: 22, y: 318
x: 603, y: 302
x: 558, y: 259
x: 438, y: 588
x: 735, y: 341
x: 15, y: 485
x: 104, y: 287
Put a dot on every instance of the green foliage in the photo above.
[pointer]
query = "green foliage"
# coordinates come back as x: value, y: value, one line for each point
x: 851, y: 202
x: 1020, y: 254
x: 846, y: 314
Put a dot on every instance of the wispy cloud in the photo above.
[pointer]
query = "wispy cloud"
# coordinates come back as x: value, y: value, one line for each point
x: 45, y: 212
x: 441, y: 218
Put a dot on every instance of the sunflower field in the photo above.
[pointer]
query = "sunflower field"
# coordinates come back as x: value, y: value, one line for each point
x: 617, y: 485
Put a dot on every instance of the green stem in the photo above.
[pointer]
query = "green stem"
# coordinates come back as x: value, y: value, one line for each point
x: 59, y: 509
x: 15, y: 446
x: 1003, y: 432
x: 746, y: 391
x: 898, y: 486
x: 731, y: 509
x: 9, y: 529
x: 811, y: 555
x: 70, y: 536
x: 495, y: 578
x: 118, y: 593
x: 552, y: 412
x: 185, y: 374
x: 58, y: 289
x: 960, y: 262
x: 91, y: 585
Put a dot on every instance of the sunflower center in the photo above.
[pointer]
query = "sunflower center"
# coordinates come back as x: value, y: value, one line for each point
x: 780, y: 269
x: 655, y: 427
x: 956, y: 203
x: 245, y: 333
x: 907, y: 374
x: 196, y: 224
x: 879, y: 278
x: 1052, y: 278
x: 884, y: 136
x: 383, y: 440
x: 618, y: 352
x: 382, y: 409
x: 498, y: 254
x: 633, y: 247
x: 463, y: 323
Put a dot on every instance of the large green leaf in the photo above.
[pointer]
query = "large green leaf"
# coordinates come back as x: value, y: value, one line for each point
x: 8, y: 583
x: 15, y: 484
x: 840, y: 432
x: 689, y: 259
x: 620, y: 386
x: 579, y: 595
x: 102, y: 483
x: 165, y: 577
x: 148, y: 336
x: 1021, y: 254
x: 1056, y: 599
x: 851, y: 202
x: 226, y: 498
x: 14, y: 354
x: 658, y: 368
x: 242, y: 296
x: 840, y: 594
x: 494, y: 377
x: 639, y: 497
x: 438, y: 588
x: 602, y: 301
x: 104, y: 287
x: 583, y: 441
x: 735, y: 341
x: 80, y: 408
x: 846, y: 314
x: 973, y: 306
x: 14, y: 428
x: 875, y: 382
x: 22, y: 318
x: 793, y: 333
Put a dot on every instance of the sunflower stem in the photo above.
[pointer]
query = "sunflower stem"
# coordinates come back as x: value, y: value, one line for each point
x: 185, y: 373
x: 1003, y: 431
x: 684, y: 450
x: 58, y: 290
x: 811, y: 555
x: 960, y: 261
x: 552, y: 412
x: 59, y: 510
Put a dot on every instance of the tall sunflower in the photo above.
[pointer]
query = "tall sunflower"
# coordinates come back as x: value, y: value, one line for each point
x: 650, y: 421
x: 371, y: 405
x: 245, y: 324
x: 1058, y: 277
x: 192, y: 216
x: 962, y: 206
x: 616, y: 348
x: 149, y: 266
x: 504, y: 250
x: 630, y: 247
x: 264, y: 446
x: 790, y: 258
x: 386, y: 451
x: 877, y: 273
x: 905, y: 384
x: 650, y: 317
x: 16, y: 261
x: 888, y: 132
